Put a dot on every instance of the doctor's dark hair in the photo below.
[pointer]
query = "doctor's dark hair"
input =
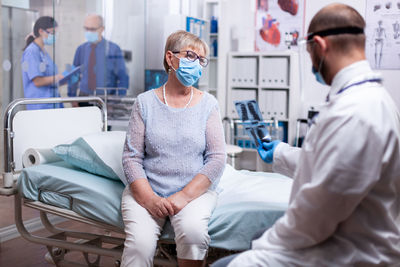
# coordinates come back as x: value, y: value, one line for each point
x: 181, y: 39
x: 43, y: 23
x: 340, y: 16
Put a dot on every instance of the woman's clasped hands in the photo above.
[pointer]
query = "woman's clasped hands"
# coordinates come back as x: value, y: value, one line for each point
x: 162, y: 207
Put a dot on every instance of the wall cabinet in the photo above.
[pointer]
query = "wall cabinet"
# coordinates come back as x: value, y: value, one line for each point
x: 272, y: 79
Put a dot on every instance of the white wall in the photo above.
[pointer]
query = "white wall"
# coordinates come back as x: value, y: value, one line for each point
x: 16, y: 3
x: 239, y: 21
x: 162, y: 19
x: 125, y: 25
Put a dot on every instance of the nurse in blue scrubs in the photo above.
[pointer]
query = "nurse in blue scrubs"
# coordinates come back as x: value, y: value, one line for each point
x: 39, y: 72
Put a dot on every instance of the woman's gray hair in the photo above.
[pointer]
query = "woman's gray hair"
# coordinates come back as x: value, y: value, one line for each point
x: 180, y: 39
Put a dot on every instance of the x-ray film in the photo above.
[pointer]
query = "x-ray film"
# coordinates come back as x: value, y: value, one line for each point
x: 248, y: 110
x: 258, y: 132
x: 262, y: 132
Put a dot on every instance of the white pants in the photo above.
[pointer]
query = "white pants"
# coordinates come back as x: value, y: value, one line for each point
x: 143, y: 230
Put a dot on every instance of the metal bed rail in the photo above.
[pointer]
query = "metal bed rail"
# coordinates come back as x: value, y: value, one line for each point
x: 119, y: 105
x: 9, y: 174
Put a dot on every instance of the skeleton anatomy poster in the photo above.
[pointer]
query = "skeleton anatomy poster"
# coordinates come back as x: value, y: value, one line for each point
x: 383, y: 33
x: 279, y: 24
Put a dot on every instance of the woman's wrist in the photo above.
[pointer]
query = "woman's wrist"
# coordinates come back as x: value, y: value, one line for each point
x: 142, y: 192
x: 185, y: 194
x: 196, y: 187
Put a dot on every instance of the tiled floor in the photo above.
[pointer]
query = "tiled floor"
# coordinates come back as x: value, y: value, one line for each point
x: 7, y: 211
x: 20, y: 253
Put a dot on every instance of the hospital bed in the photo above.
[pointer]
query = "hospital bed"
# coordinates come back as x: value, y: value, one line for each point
x: 248, y: 201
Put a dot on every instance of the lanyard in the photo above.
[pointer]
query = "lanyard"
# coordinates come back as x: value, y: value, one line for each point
x: 376, y: 80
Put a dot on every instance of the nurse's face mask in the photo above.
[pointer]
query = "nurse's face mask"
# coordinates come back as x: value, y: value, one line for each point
x: 50, y: 39
x: 190, y: 67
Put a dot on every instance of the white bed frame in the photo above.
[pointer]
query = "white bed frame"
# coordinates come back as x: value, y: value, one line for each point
x: 58, y: 126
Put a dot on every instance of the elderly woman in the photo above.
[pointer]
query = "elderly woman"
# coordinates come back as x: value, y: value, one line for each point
x: 173, y: 159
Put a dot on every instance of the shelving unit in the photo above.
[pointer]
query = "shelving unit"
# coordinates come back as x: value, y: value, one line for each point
x: 209, y: 81
x: 272, y: 79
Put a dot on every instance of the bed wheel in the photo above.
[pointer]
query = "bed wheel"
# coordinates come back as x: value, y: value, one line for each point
x: 117, y: 263
x: 55, y: 255
x: 58, y: 251
x: 90, y: 263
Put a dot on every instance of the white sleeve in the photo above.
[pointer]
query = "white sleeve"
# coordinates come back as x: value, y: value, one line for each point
x: 285, y: 159
x: 341, y: 168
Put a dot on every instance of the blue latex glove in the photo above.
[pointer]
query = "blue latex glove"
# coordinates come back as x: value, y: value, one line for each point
x: 74, y: 79
x: 266, y: 150
x: 65, y: 73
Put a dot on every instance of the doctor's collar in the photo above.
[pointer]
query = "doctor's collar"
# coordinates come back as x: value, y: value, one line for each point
x: 335, y: 31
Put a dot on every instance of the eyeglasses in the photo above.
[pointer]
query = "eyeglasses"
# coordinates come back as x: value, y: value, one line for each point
x: 89, y: 29
x: 303, y: 44
x: 192, y: 56
x: 50, y: 32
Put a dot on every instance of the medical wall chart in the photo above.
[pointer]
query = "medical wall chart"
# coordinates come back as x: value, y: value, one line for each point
x: 383, y: 33
x: 279, y: 24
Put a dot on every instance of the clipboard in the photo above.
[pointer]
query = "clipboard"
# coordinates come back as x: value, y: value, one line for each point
x: 69, y: 75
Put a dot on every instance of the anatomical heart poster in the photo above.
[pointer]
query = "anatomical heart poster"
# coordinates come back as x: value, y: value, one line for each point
x: 279, y: 24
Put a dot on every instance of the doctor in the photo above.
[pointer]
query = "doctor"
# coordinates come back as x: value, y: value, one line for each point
x: 346, y: 190
x: 39, y: 72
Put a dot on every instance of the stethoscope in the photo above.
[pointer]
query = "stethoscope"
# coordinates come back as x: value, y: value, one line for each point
x: 41, y: 53
x: 43, y: 57
x: 375, y: 80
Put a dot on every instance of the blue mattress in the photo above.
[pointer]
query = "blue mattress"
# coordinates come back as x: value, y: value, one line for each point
x: 248, y: 201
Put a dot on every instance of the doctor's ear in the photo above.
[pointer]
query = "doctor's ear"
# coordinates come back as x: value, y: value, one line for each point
x: 321, y: 44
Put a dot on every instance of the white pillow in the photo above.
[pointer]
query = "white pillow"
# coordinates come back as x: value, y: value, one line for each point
x: 99, y: 153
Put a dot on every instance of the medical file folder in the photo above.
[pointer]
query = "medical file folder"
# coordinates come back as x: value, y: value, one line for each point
x: 70, y: 74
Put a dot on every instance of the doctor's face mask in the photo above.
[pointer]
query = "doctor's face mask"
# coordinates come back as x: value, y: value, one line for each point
x: 314, y: 70
x: 91, y: 37
x: 327, y: 32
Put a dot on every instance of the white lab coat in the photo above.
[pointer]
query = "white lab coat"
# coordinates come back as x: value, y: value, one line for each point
x: 346, y: 191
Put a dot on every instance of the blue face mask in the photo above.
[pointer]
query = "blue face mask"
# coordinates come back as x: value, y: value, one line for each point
x: 188, y: 72
x: 91, y: 37
x: 50, y: 39
x: 318, y: 76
